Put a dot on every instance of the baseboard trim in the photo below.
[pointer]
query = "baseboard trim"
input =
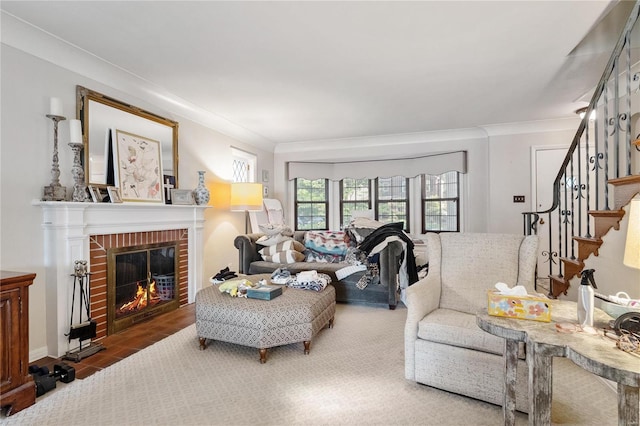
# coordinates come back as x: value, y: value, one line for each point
x: 38, y: 353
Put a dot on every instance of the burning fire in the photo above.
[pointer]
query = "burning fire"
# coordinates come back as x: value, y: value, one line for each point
x: 140, y: 300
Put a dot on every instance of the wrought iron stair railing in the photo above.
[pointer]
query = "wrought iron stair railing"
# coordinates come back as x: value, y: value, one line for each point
x: 595, y: 180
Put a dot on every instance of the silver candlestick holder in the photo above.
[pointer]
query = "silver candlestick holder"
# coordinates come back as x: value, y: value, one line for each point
x: 55, y: 191
x: 77, y: 171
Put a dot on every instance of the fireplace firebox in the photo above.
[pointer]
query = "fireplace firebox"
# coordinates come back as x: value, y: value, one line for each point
x: 142, y: 281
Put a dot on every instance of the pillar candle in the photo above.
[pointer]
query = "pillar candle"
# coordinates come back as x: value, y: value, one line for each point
x: 55, y: 106
x: 75, y: 131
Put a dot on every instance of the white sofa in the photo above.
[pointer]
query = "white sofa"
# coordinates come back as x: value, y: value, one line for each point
x: 444, y: 347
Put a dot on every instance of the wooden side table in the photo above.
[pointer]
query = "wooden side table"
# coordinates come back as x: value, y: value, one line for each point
x: 17, y: 389
x: 591, y: 352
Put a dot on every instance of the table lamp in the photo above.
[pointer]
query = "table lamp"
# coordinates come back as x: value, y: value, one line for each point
x: 246, y: 197
x: 632, y: 248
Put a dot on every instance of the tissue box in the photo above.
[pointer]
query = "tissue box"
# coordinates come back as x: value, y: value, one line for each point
x: 522, y: 307
x: 266, y: 292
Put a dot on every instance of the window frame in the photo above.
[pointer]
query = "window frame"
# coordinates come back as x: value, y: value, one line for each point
x: 423, y: 200
x: 369, y: 200
x: 407, y: 200
x: 247, y: 158
x: 297, y: 203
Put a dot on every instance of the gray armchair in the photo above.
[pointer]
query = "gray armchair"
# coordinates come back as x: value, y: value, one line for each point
x: 444, y: 347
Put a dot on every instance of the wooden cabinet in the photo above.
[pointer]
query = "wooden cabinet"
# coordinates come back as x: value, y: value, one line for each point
x: 17, y: 389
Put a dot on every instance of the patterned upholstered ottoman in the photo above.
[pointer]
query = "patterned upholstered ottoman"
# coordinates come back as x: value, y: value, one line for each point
x: 295, y: 316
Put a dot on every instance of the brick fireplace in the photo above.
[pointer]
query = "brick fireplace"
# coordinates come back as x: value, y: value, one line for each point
x: 86, y: 231
x: 101, y: 245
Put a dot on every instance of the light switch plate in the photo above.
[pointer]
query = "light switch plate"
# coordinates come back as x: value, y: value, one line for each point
x: 518, y: 198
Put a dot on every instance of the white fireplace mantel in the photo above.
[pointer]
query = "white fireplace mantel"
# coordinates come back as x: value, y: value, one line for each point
x: 67, y: 228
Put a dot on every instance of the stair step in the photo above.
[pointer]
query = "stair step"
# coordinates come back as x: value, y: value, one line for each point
x: 587, y: 246
x: 572, y: 267
x: 558, y: 286
x: 625, y: 189
x: 604, y: 220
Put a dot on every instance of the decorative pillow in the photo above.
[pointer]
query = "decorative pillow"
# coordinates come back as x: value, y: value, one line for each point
x: 270, y: 229
x: 286, y: 256
x: 271, y: 240
x: 325, y: 246
x: 367, y: 214
x: 290, y: 244
x: 363, y: 222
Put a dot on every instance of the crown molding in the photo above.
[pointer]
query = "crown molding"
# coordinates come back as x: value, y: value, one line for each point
x: 540, y: 126
x: 32, y: 40
x: 382, y: 140
x: 480, y: 132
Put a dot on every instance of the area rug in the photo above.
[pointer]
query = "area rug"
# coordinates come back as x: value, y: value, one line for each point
x: 353, y: 375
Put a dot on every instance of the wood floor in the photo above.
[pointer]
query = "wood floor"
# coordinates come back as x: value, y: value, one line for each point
x: 127, y: 342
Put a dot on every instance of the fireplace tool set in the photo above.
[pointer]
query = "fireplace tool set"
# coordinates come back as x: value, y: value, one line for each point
x: 84, y: 329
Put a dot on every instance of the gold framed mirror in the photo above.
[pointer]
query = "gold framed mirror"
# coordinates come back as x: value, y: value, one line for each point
x: 100, y: 114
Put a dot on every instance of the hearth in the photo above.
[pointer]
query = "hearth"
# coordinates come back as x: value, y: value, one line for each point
x: 142, y: 281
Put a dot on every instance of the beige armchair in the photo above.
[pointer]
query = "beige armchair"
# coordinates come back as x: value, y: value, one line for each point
x: 444, y: 347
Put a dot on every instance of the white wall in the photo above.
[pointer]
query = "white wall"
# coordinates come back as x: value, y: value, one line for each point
x: 25, y: 164
x: 510, y: 168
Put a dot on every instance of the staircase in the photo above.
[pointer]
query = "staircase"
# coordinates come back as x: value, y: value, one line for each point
x: 604, y: 220
x: 597, y: 178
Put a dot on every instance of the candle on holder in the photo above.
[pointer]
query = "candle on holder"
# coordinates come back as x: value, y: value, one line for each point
x: 75, y: 131
x: 55, y: 107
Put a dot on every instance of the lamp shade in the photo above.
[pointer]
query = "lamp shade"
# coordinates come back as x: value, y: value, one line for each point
x: 632, y: 249
x: 246, y: 196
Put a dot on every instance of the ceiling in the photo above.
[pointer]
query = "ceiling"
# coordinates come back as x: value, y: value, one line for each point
x: 307, y: 71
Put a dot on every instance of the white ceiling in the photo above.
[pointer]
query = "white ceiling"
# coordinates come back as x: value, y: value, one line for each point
x: 300, y: 71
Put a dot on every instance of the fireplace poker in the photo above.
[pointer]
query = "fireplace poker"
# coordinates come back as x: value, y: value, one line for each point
x: 84, y: 329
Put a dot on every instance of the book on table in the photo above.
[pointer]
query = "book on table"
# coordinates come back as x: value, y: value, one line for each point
x: 265, y: 292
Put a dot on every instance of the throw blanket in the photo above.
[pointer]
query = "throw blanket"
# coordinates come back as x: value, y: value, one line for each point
x: 310, y: 280
x: 358, y: 261
x: 351, y: 269
x: 381, y: 237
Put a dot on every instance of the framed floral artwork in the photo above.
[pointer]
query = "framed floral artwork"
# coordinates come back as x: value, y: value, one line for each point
x: 138, y: 168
